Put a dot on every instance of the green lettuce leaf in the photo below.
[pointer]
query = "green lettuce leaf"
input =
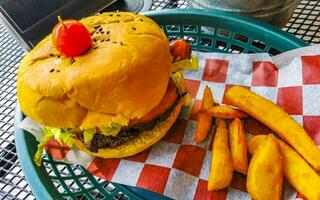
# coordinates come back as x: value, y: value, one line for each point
x: 88, y: 134
x: 61, y: 135
x: 64, y: 135
x: 178, y: 80
x: 186, y: 64
x: 114, y: 130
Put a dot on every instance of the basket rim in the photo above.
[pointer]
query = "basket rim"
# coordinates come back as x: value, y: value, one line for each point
x: 262, y: 30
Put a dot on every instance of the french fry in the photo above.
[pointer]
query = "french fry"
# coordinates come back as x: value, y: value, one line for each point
x: 221, y: 164
x: 296, y: 171
x: 204, y: 124
x: 226, y: 112
x: 277, y: 120
x: 204, y: 120
x: 254, y: 142
x: 238, y: 146
x: 207, y: 99
x: 265, y: 173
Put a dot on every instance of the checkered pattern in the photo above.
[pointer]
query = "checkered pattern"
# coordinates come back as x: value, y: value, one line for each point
x: 177, y: 166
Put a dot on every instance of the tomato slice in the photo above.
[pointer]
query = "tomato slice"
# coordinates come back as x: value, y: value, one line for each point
x: 166, y: 102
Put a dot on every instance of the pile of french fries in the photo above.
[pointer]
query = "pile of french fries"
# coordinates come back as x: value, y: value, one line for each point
x: 289, y: 152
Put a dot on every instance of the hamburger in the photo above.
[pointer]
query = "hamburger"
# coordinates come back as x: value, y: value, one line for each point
x: 114, y: 100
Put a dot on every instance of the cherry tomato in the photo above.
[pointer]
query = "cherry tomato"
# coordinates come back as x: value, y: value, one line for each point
x: 180, y: 49
x: 71, y: 37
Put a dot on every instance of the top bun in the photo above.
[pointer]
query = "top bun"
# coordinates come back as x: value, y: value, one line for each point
x: 123, y: 76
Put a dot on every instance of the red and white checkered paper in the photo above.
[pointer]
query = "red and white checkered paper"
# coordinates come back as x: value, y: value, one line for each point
x: 178, y: 167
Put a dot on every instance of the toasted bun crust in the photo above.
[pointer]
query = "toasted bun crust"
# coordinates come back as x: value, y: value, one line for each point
x: 140, y: 143
x: 125, y: 73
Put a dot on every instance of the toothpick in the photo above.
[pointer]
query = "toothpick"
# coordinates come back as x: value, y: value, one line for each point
x: 61, y: 21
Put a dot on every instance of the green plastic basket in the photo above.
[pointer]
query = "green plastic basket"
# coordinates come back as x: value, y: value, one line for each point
x: 210, y: 31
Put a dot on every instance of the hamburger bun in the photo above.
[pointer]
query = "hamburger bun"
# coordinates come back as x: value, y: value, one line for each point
x: 122, y: 76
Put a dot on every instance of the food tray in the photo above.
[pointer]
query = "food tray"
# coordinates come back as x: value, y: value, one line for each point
x: 206, y: 31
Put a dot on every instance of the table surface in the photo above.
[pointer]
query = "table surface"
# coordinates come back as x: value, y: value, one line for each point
x: 305, y: 24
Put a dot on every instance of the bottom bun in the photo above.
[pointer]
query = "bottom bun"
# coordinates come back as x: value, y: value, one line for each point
x: 139, y: 143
